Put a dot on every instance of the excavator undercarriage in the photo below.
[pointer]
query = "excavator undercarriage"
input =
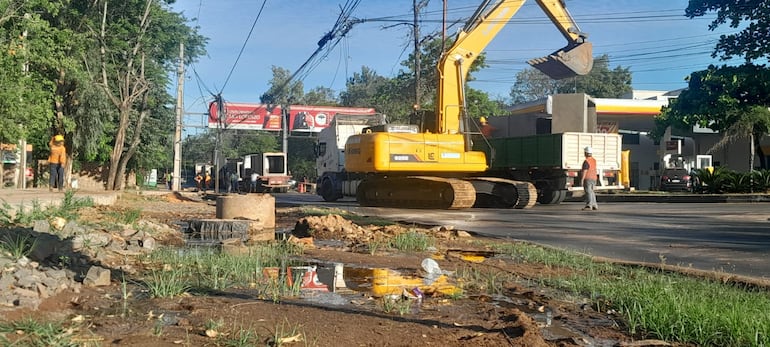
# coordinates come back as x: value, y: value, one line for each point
x: 445, y: 193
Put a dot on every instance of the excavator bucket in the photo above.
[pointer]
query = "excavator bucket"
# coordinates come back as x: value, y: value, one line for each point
x: 566, y: 62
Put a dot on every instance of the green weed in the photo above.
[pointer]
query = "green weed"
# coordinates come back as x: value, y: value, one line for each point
x: 286, y: 333
x: 392, y: 304
x: 658, y: 304
x: 126, y: 217
x: 167, y: 284
x: 35, y: 334
x: 412, y: 241
x: 241, y: 338
x: 207, y: 269
x: 17, y: 245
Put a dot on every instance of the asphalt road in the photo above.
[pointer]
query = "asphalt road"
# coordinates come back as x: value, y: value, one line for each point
x: 728, y: 237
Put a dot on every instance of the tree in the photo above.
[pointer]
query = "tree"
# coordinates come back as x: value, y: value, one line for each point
x: 732, y: 100
x: 26, y: 95
x: 601, y: 82
x: 137, y: 42
x: 282, y: 91
x: 479, y: 104
x: 320, y: 96
x: 753, y: 41
x: 361, y: 89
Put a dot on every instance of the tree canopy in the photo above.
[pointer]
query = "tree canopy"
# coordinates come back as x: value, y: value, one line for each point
x: 732, y: 100
x: 753, y: 41
x: 94, y: 71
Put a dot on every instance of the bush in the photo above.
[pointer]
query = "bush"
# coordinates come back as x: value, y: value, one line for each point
x: 722, y: 180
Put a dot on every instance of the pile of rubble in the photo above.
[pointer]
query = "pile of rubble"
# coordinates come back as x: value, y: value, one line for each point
x: 66, y: 256
x: 336, y: 227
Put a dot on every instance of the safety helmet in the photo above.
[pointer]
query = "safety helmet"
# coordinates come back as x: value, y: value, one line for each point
x: 58, y: 138
x: 588, y: 150
x: 483, y: 120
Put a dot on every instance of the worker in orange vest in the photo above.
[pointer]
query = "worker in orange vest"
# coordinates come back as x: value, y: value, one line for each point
x: 589, y: 174
x: 57, y: 158
x: 486, y: 128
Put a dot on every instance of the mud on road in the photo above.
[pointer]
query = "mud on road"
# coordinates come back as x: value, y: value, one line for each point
x: 517, y: 313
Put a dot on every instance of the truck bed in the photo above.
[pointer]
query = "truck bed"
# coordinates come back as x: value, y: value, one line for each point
x: 563, y: 151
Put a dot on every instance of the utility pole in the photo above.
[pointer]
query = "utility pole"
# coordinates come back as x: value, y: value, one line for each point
x: 443, y: 29
x: 177, y: 175
x: 416, y: 29
x: 285, y: 112
x: 222, y: 117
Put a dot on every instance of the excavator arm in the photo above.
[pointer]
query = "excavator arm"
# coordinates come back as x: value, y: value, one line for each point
x: 574, y: 59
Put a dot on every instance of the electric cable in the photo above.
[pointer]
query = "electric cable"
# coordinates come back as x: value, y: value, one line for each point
x: 253, y: 25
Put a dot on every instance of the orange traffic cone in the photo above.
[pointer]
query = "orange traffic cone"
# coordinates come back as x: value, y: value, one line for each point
x: 301, y: 187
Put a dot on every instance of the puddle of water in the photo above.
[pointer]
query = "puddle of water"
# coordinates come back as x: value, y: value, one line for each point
x: 551, y: 328
x: 381, y: 282
x: 472, y: 256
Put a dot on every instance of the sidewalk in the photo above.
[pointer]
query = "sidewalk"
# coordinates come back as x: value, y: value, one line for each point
x: 17, y: 198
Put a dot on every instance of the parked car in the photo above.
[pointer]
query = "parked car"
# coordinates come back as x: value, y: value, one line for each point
x: 677, y: 179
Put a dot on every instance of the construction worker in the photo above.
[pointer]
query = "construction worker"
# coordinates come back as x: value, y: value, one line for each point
x: 208, y: 181
x: 589, y: 174
x: 57, y: 157
x: 199, y: 181
x: 486, y: 128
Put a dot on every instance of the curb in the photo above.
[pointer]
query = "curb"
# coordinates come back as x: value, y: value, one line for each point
x: 678, y: 198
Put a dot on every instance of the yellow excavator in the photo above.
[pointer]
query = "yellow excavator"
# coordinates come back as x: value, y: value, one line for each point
x: 435, y: 167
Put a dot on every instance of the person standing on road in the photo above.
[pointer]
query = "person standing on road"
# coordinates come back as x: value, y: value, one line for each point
x: 57, y: 157
x: 254, y: 179
x: 199, y: 181
x: 169, y: 180
x: 234, y: 183
x: 589, y: 174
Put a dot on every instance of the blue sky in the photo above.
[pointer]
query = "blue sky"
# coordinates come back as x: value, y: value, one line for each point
x: 652, y: 38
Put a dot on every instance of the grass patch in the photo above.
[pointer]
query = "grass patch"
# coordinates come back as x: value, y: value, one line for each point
x: 16, y: 245
x: 412, y: 241
x: 29, y: 332
x: 400, y: 305
x: 127, y: 217
x: 166, y: 283
x: 287, y: 334
x: 483, y: 281
x: 206, y: 269
x: 240, y: 338
x: 658, y: 304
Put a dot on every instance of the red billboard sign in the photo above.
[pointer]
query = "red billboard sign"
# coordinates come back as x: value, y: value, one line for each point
x: 258, y: 117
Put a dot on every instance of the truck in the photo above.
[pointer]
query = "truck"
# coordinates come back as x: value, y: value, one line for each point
x: 436, y: 166
x: 271, y: 168
x: 333, y: 181
x: 553, y: 162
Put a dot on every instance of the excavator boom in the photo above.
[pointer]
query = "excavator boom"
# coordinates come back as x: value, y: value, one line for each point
x: 574, y: 59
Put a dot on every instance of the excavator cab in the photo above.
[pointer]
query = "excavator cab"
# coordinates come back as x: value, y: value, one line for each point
x: 570, y: 61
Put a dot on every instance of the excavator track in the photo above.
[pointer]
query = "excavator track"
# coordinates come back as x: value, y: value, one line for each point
x: 505, y: 193
x: 416, y: 192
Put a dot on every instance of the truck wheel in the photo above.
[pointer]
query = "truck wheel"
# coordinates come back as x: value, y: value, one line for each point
x: 326, y: 190
x: 549, y: 196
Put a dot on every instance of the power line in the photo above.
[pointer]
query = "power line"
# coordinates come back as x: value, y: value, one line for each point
x: 253, y: 25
